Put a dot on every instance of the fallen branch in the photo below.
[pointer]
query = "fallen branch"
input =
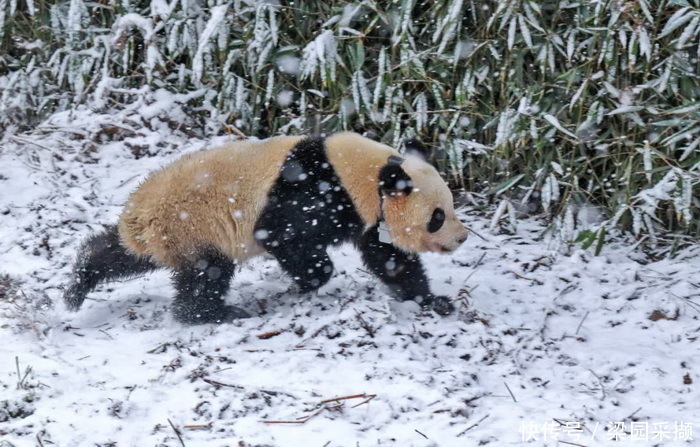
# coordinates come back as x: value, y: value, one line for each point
x: 366, y: 326
x: 221, y: 384
x: 323, y: 406
x: 371, y: 396
x: 353, y: 396
x: 177, y: 432
x: 159, y: 349
x: 511, y: 393
x: 270, y: 334
x: 422, y: 434
x: 301, y: 420
x: 474, y: 425
x: 235, y: 130
x: 198, y: 427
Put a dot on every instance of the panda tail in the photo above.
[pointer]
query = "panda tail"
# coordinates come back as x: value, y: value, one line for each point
x: 101, y: 258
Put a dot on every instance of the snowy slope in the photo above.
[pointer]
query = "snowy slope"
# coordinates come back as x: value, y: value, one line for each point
x: 544, y: 344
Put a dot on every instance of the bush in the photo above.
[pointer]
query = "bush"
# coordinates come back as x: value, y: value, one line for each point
x: 561, y: 104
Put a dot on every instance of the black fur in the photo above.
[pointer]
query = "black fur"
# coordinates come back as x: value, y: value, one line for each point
x: 102, y: 258
x: 201, y: 287
x: 402, y: 272
x: 416, y: 147
x: 308, y: 210
x: 437, y: 220
x: 394, y: 180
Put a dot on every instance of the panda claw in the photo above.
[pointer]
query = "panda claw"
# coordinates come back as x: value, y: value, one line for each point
x: 73, y: 297
x: 440, y: 304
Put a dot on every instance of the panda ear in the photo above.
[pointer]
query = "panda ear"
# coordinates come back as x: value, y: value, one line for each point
x: 416, y: 147
x: 394, y: 181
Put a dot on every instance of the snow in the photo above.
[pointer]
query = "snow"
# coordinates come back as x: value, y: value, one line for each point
x: 218, y: 13
x: 541, y: 340
x: 321, y: 55
x: 288, y: 64
x: 144, y: 24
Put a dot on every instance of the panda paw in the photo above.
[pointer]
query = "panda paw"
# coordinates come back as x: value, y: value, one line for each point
x: 73, y: 297
x: 217, y: 315
x: 441, y: 304
x: 314, y: 282
x: 235, y: 313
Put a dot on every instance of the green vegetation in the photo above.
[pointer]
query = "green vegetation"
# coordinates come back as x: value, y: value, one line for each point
x: 557, y: 104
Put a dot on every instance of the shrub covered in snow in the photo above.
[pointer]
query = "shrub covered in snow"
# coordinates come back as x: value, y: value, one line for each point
x: 560, y: 104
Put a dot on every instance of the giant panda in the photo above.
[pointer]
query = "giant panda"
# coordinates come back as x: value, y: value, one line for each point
x: 289, y: 197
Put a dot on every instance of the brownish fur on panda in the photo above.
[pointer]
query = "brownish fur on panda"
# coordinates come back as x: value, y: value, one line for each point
x: 291, y: 197
x: 208, y: 197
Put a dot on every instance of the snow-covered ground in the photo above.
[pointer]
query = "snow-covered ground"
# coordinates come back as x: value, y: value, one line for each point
x: 544, y: 345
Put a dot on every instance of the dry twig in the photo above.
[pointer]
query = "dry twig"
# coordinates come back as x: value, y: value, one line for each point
x: 198, y: 427
x: 221, y: 384
x: 177, y: 432
x: 270, y: 334
x: 423, y: 435
x: 323, y: 406
x: 473, y: 425
x: 511, y: 393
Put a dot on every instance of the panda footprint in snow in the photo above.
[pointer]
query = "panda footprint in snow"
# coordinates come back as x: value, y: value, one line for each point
x: 290, y: 197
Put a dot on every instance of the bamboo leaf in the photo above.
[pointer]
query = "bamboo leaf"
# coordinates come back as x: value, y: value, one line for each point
x: 688, y: 32
x: 555, y: 122
x: 505, y: 186
x: 678, y: 19
x: 625, y: 110
x: 525, y: 31
x: 511, y: 33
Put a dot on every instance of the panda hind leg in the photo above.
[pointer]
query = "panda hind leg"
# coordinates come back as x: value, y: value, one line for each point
x: 201, y: 287
x: 102, y: 258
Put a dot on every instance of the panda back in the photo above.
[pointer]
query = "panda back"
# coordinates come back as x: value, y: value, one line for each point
x: 208, y: 198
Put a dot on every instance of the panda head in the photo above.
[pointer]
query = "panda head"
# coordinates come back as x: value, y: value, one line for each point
x: 417, y: 207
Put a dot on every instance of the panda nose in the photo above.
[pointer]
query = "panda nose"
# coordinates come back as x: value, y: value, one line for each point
x: 462, y: 239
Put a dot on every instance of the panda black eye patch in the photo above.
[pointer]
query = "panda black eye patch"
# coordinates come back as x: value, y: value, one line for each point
x: 436, y: 221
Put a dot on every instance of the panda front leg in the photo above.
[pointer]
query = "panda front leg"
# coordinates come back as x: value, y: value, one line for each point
x: 308, y: 264
x: 201, y: 286
x: 402, y: 272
